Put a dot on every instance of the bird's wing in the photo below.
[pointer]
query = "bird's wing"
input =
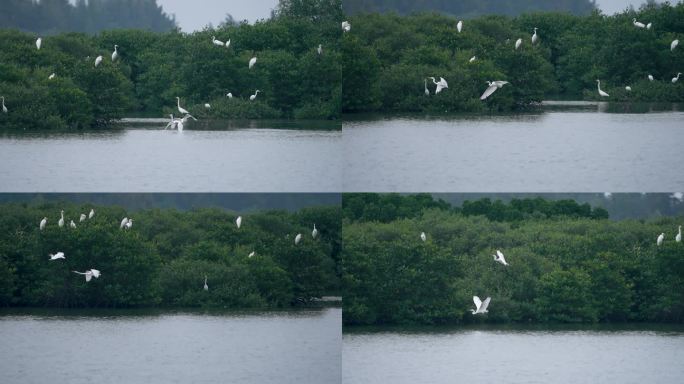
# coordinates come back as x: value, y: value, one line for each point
x: 501, y: 83
x: 477, y: 302
x: 95, y: 272
x: 485, y: 304
x: 488, y: 92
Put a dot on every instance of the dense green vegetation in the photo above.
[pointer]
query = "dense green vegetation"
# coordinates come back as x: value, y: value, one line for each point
x: 563, y: 268
x: 163, y: 258
x: 468, y: 8
x: 154, y: 68
x: 387, y: 57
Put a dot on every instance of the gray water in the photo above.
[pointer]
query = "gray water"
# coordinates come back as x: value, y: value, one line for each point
x: 154, y: 160
x: 112, y: 347
x: 556, y: 151
x: 514, y: 356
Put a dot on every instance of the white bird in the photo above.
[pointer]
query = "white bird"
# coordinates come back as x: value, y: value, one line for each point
x: 129, y: 224
x: 206, y: 287
x: 229, y: 95
x: 4, y: 109
x: 427, y: 92
x: 650, y: 77
x: 98, y: 60
x: 52, y: 76
x: 480, y: 306
x: 91, y: 214
x: 43, y: 223
x: 472, y: 59
x: 493, y: 86
x: 61, y: 219
x: 181, y: 109
x: 661, y: 237
x: 252, y: 61
x: 298, y: 238
x: 39, y: 42
x: 674, y: 45
x: 320, y: 49
x: 82, y: 218
x: 423, y: 236
x: 207, y: 106
x: 675, y: 79
x: 638, y: 24
x: 346, y: 27
x: 115, y: 54
x: 228, y: 43
x: 628, y: 88
x: 535, y: 38
x: 314, y: 233
x: 677, y: 196
x: 459, y: 26
x: 254, y: 96
x: 649, y: 25
x: 251, y: 254
x: 176, y: 124
x: 603, y: 94
x: 238, y: 221
x: 72, y: 224
x: 89, y: 274
x: 607, y: 195
x: 500, y: 258
x: 217, y: 42
x: 518, y: 43
x: 123, y: 222
x: 440, y: 85
x: 56, y: 256
x: 678, y: 238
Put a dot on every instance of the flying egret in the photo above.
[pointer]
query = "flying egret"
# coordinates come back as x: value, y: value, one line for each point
x: 206, y: 287
x: 535, y: 38
x: 518, y: 43
x: 174, y: 124
x: 217, y: 42
x: 72, y: 224
x: 115, y: 54
x: 254, y: 96
x: 98, y: 60
x: 252, y: 61
x: 499, y: 257
x: 298, y: 238
x: 129, y: 224
x: 229, y: 95
x: 661, y: 237
x: 228, y: 43
x: 52, y: 76
x: 314, y: 233
x: 603, y: 94
x: 61, y: 219
x: 39, y: 42
x: 427, y: 92
x: 207, y: 105
x: 472, y: 59
x: 628, y: 88
x: 638, y: 24
x: 4, y: 109
x: 91, y: 214
x: 181, y: 109
x: 89, y: 274
x: 251, y: 254
x: 649, y: 25
x: 238, y: 221
x: 678, y: 238
x: 123, y: 222
x: 675, y: 79
x: 440, y: 85
x: 493, y: 86
x: 674, y: 45
x: 423, y: 236
x: 56, y: 256
x: 82, y: 218
x: 459, y: 26
x: 346, y: 27
x: 320, y: 49
x: 480, y: 306
x: 650, y: 77
x: 43, y: 223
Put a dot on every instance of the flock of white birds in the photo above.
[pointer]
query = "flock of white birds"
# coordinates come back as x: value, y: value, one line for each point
x: 126, y: 224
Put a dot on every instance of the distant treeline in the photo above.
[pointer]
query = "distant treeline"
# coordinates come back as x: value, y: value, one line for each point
x: 163, y: 259
x: 49, y: 17
x: 562, y: 268
x: 387, y: 58
x: 469, y: 8
x: 155, y: 68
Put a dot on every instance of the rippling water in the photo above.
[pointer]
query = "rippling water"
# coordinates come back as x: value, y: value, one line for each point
x: 111, y: 347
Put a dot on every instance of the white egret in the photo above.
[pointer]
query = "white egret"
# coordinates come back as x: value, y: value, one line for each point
x: 72, y: 224
x: 251, y: 254
x: 603, y: 94
x: 675, y: 79
x: 39, y: 42
x: 677, y: 196
x: 480, y: 306
x: 229, y: 95
x: 238, y: 221
x: 346, y: 27
x: 518, y: 43
x: 115, y: 54
x: 298, y: 238
x: 320, y: 49
x: 61, y: 219
x: 678, y: 238
x: 628, y: 88
x: 4, y: 109
x: 649, y: 25
x: 217, y: 42
x: 535, y: 38
x: 123, y: 222
x: 638, y: 24
x: 91, y: 214
x: 459, y: 26
x: 181, y: 109
x: 493, y: 86
x: 661, y: 237
x: 228, y: 43
x: 650, y: 77
x: 207, y: 105
x: 89, y: 274
x: 472, y: 59
x: 314, y: 233
x: 427, y: 92
x: 440, y: 85
x: 98, y: 60
x: 252, y: 61
x: 607, y: 195
x: 82, y: 218
x: 423, y: 236
x: 43, y: 223
x: 129, y: 224
x: 499, y: 257
x: 52, y: 76
x: 56, y: 256
x: 674, y: 45
x: 254, y: 96
x: 174, y: 124
x: 206, y: 287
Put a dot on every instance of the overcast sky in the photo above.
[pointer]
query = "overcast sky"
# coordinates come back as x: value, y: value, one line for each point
x: 612, y: 6
x: 193, y: 15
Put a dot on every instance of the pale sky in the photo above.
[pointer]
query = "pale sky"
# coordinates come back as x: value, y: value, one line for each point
x: 192, y: 15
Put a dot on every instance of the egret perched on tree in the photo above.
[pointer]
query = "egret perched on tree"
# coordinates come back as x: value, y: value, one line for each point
x: 89, y: 274
x: 207, y: 105
x: 238, y: 221
x: 677, y: 196
x: 298, y: 238
x: 4, y: 109
x: 123, y: 223
x: 72, y: 224
x: 674, y: 45
x: 423, y: 236
x: 91, y: 214
x: 181, y: 109
x: 346, y: 27
x: 661, y: 237
x: 52, y: 76
x: 535, y: 38
x: 115, y: 54
x: 603, y: 94
x: 500, y: 258
x: 98, y: 60
x: 638, y: 24
x: 229, y: 95
x: 39, y: 42
x: 129, y: 224
x: 217, y: 42
x: 493, y: 86
x: 675, y: 79
x: 650, y: 77
x: 678, y: 238
x: 320, y: 49
x: 251, y: 254
x: 472, y: 59
x: 254, y: 96
x: 480, y: 306
x: 459, y: 26
x: 206, y: 287
x: 518, y: 43
x: 43, y: 223
x: 314, y: 233
x: 61, y: 219
x: 82, y: 218
x: 252, y: 61
x: 649, y: 25
x: 440, y: 85
x: 427, y: 92
x: 56, y: 256
x: 628, y: 88
x: 228, y: 43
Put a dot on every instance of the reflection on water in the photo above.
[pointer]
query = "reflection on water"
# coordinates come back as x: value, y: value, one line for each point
x: 162, y: 347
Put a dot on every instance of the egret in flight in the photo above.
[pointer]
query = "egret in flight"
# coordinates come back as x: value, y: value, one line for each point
x: 480, y: 306
x: 678, y: 238
x: 56, y: 256
x: 4, y: 109
x: 43, y: 223
x: 459, y: 26
x: 535, y: 38
x: 346, y: 27
x: 181, y: 109
x: 674, y: 45
x: 254, y: 96
x: 72, y: 224
x: 252, y: 61
x: 298, y: 238
x: 89, y: 274
x: 82, y: 218
x: 518, y: 43
x: 238, y: 221
x: 39, y: 42
x: 91, y: 214
x: 499, y: 257
x: 423, y: 236
x: 638, y: 24
x: 661, y: 237
x: 675, y: 79
x: 98, y: 60
x: 217, y: 42
x: 174, y: 123
x: 603, y: 94
x: 440, y: 85
x: 115, y: 54
x: 314, y: 233
x: 206, y: 287
x: 493, y: 86
x: 61, y: 219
